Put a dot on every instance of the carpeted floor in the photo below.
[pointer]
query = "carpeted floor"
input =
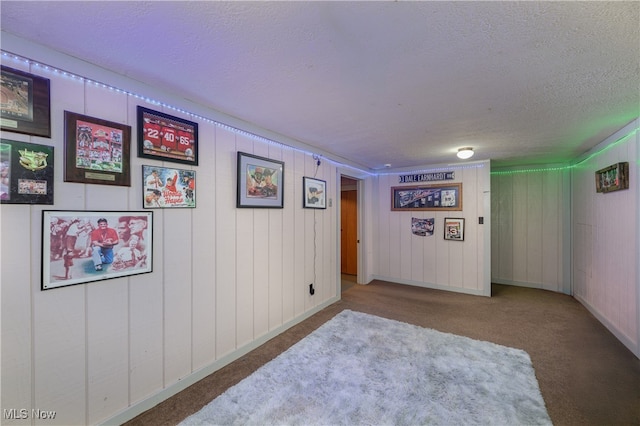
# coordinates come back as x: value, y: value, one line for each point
x: 586, y: 376
x: 348, y: 281
x: 369, y: 370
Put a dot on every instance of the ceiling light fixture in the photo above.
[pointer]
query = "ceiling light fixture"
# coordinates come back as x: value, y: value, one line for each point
x: 466, y: 152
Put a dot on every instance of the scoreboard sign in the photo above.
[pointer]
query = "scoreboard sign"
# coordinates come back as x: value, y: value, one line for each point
x: 165, y: 137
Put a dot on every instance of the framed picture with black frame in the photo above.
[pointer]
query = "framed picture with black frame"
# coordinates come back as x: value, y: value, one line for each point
x: 454, y: 229
x: 165, y: 137
x: 260, y: 182
x: 81, y: 246
x: 26, y: 103
x: 96, y: 151
x: 314, y: 193
x: 26, y: 173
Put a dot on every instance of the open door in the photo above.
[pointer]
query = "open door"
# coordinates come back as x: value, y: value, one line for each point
x: 349, y: 227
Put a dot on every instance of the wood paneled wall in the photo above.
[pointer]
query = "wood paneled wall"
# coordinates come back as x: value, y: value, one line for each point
x: 432, y: 261
x: 606, y: 238
x: 551, y: 230
x: 530, y: 233
x: 224, y: 279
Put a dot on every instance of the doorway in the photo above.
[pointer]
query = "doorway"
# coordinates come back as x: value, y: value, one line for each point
x: 348, y: 231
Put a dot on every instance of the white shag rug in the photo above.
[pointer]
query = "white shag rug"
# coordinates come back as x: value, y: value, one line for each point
x: 360, y: 369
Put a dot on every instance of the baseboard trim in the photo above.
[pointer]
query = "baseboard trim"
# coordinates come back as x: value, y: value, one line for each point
x: 539, y: 286
x: 634, y: 347
x: 474, y: 292
x: 183, y: 383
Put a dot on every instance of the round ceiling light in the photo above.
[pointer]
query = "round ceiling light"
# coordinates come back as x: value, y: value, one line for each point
x: 466, y: 152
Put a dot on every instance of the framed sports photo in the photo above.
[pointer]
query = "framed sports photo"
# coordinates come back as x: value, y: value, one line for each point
x: 26, y: 173
x: 96, y: 151
x: 26, y: 103
x: 165, y: 137
x: 613, y: 178
x: 454, y: 229
x: 427, y: 197
x: 315, y: 193
x: 168, y: 187
x: 260, y: 182
x: 84, y: 246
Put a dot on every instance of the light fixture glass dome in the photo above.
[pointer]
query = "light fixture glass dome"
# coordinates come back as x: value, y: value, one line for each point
x: 466, y: 152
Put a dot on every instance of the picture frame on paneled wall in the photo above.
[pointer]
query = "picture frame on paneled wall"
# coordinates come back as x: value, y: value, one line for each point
x: 165, y: 187
x: 444, y: 197
x: 454, y: 229
x: 165, y: 137
x: 260, y: 182
x: 26, y: 173
x: 613, y: 178
x: 97, y: 151
x: 26, y: 103
x: 315, y: 193
x: 84, y: 246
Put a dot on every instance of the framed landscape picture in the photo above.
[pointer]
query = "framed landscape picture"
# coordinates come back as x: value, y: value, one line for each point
x: 260, y: 182
x: 165, y: 137
x: 84, y: 246
x: 96, y: 151
x: 168, y: 187
x: 26, y: 173
x: 315, y: 194
x: 26, y: 103
x: 446, y: 197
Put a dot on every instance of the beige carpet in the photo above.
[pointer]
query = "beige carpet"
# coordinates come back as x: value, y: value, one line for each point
x: 586, y: 376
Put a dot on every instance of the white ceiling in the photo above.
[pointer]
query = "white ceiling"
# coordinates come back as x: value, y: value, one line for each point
x: 404, y: 83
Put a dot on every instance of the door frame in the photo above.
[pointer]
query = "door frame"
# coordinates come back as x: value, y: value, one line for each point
x: 360, y: 178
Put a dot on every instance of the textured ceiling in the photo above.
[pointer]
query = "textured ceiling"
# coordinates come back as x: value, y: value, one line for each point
x: 404, y: 83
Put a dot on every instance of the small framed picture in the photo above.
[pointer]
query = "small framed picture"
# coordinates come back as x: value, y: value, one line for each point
x: 96, y: 151
x: 26, y: 173
x: 613, y: 178
x: 260, y: 182
x: 165, y: 137
x: 85, y: 246
x: 168, y: 187
x: 454, y: 229
x: 315, y: 194
x: 26, y: 103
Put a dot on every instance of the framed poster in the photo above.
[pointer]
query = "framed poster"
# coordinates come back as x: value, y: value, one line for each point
x: 168, y: 187
x: 84, y: 246
x: 454, y: 229
x: 26, y: 173
x: 315, y: 195
x: 260, y: 182
x: 427, y: 197
x: 96, y: 151
x: 613, y: 178
x: 165, y: 137
x: 26, y: 103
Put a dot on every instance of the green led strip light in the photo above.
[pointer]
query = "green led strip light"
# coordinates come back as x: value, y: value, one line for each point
x: 571, y: 166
